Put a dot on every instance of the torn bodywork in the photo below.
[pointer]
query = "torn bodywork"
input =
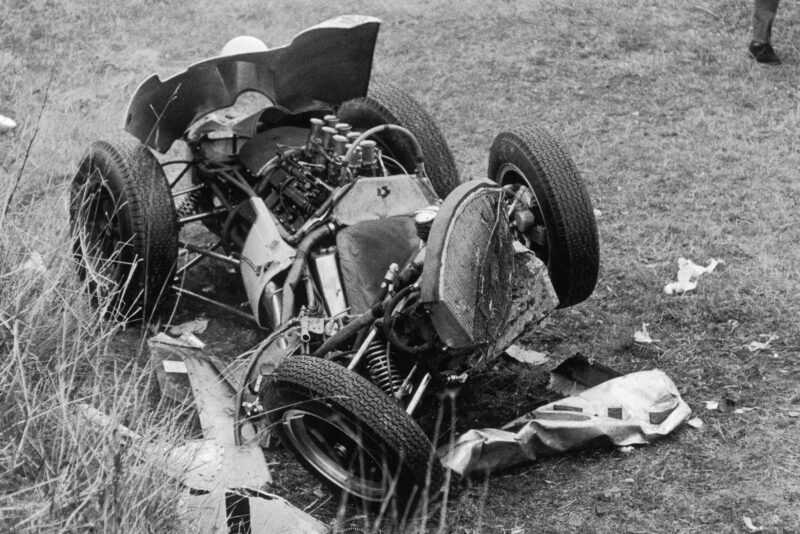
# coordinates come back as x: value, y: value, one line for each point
x: 323, y: 66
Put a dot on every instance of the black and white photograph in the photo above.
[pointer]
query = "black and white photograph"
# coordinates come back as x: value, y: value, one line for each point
x: 525, y: 266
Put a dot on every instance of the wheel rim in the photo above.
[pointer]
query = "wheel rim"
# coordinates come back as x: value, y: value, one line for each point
x: 338, y: 453
x: 535, y: 237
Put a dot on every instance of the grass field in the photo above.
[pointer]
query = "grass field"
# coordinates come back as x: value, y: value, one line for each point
x: 687, y: 147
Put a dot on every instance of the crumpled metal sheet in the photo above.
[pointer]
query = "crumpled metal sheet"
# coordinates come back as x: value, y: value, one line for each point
x: 534, y: 300
x: 244, y: 510
x: 329, y: 62
x: 633, y: 409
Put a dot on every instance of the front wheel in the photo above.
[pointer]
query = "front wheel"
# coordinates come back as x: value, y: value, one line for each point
x: 553, y: 215
x: 350, y: 434
x: 124, y: 228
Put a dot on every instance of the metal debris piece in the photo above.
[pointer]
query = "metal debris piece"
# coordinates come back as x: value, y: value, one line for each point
x: 212, y: 466
x: 577, y: 373
x: 535, y: 299
x: 171, y: 373
x: 225, y: 479
x: 187, y: 340
x: 245, y: 510
x: 275, y: 514
x: 628, y: 410
x: 528, y: 356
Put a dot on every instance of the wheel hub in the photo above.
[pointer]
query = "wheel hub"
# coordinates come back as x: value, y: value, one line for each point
x: 338, y: 453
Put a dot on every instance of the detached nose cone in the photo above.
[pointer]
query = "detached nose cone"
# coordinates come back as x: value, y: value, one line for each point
x: 243, y: 44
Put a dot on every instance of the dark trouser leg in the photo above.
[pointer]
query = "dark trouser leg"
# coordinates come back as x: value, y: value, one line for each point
x: 763, y: 16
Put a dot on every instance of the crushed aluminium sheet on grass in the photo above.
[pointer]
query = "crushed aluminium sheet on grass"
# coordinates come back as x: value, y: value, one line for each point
x: 633, y: 409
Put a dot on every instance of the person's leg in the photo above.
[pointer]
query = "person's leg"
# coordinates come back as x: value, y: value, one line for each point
x: 760, y: 46
x: 763, y: 17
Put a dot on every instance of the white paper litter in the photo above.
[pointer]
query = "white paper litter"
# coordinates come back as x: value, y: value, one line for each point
x: 643, y: 336
x: 756, y: 346
x: 695, y: 422
x: 688, y: 273
x: 6, y: 124
x: 174, y: 366
x: 524, y: 355
x: 750, y: 526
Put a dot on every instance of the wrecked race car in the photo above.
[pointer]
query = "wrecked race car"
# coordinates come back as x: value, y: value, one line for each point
x: 380, y: 273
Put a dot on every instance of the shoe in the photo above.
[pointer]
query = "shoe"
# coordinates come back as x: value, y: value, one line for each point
x: 764, y: 53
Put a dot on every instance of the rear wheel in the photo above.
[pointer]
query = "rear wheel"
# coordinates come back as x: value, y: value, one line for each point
x: 124, y: 229
x: 554, y: 215
x: 350, y: 434
x: 387, y: 104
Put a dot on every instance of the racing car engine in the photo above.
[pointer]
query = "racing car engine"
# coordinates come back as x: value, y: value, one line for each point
x: 303, y: 178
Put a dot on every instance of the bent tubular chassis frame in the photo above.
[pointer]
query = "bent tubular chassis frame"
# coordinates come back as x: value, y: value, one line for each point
x: 227, y: 174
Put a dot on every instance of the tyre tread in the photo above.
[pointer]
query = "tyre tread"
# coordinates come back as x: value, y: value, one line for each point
x: 575, y: 261
x: 147, y: 197
x: 319, y: 378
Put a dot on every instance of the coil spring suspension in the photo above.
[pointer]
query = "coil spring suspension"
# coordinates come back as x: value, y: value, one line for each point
x: 380, y: 368
x: 188, y: 204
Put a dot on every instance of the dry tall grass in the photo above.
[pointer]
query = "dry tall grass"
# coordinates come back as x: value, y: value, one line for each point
x: 58, y: 471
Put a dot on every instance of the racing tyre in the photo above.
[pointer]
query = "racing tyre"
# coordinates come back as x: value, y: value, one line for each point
x: 350, y: 434
x: 387, y: 104
x: 554, y: 217
x: 124, y: 228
